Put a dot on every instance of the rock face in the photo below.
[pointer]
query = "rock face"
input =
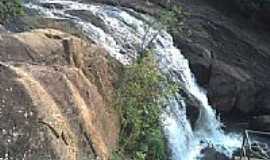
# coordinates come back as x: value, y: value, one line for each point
x: 228, y: 50
x: 255, y: 10
x: 54, y: 98
x: 261, y: 123
x: 2, y: 29
x: 229, y: 56
x: 227, y: 44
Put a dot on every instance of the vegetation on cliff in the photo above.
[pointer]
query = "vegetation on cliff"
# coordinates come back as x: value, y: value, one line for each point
x: 142, y: 93
x: 173, y: 19
x: 10, y: 8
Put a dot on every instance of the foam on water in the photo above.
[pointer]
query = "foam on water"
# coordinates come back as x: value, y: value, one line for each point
x: 123, y: 36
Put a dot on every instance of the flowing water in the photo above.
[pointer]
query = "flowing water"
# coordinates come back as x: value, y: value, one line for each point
x: 123, y: 32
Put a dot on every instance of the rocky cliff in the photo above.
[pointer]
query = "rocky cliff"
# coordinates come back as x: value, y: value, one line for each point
x: 229, y: 54
x: 227, y: 44
x: 63, y: 85
x: 228, y: 49
x: 55, y: 97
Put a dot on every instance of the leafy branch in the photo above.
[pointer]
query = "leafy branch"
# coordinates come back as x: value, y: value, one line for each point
x: 142, y: 93
x: 10, y: 8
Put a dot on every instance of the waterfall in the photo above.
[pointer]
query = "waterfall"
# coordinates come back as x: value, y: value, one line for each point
x: 122, y: 34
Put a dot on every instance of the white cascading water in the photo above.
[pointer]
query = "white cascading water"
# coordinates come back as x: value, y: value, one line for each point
x: 122, y: 35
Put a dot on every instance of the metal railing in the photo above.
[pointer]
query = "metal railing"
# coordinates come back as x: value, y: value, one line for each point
x: 248, y: 149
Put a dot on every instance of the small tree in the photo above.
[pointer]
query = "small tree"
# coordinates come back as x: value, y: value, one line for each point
x: 171, y: 20
x: 9, y: 8
x: 142, y: 93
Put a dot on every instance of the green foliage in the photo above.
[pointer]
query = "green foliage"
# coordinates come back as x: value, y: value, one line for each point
x: 173, y: 19
x: 142, y: 93
x: 10, y: 8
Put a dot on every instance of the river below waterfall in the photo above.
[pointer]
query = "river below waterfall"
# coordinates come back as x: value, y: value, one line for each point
x: 122, y: 32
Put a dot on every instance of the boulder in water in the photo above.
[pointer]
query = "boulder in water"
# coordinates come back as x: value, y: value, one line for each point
x: 53, y: 5
x: 212, y: 154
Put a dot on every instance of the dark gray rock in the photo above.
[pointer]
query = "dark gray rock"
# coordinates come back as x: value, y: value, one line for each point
x: 89, y: 17
x: 52, y: 5
x: 256, y: 11
x: 261, y: 123
x: 193, y: 109
x: 229, y: 56
x: 2, y: 29
x: 263, y: 101
x: 212, y: 154
x: 228, y: 86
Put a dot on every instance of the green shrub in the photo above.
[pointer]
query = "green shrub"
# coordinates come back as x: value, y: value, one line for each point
x: 142, y: 93
x: 173, y: 19
x: 170, y: 19
x: 10, y: 8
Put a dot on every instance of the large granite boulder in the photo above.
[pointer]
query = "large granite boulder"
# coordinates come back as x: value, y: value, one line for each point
x: 54, y: 98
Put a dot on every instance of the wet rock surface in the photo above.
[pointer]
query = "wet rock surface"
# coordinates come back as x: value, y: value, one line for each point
x: 228, y: 51
x: 229, y: 55
x: 53, y: 5
x: 212, y: 154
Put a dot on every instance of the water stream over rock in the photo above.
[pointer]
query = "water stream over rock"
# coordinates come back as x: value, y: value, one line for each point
x: 122, y: 32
